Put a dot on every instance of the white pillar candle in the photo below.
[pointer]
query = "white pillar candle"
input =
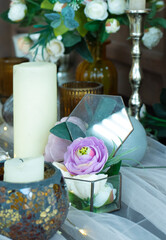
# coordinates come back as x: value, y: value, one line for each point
x: 24, y: 170
x: 35, y: 107
x: 137, y: 4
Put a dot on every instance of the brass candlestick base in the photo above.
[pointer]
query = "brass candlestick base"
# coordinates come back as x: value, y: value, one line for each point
x: 136, y: 26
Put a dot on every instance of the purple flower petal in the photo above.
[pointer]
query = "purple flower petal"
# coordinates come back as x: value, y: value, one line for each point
x: 79, y: 160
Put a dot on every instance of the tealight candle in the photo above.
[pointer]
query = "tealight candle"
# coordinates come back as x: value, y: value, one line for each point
x: 35, y: 107
x: 137, y: 4
x: 18, y: 170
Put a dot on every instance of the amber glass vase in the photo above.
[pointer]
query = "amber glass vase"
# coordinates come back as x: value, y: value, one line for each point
x: 6, y: 75
x: 101, y: 70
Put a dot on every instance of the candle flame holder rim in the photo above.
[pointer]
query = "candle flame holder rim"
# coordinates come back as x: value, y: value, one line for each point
x: 56, y: 175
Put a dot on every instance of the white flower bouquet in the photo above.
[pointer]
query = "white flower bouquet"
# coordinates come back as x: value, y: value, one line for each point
x: 75, y: 21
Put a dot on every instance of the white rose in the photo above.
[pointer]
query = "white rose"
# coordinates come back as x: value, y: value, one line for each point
x: 24, y: 44
x: 41, y: 55
x: 160, y: 5
x: 96, y: 10
x: 58, y: 7
x: 152, y: 37
x: 112, y: 25
x: 103, y: 191
x: 107, y: 194
x: 55, y: 49
x: 82, y: 189
x: 116, y: 6
x: 17, y: 11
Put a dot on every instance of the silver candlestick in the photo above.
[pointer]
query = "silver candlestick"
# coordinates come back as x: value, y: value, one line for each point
x: 136, y: 27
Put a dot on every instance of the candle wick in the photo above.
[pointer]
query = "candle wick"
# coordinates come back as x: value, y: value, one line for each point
x: 21, y: 159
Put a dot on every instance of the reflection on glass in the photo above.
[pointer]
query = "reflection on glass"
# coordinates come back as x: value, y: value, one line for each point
x: 105, y: 117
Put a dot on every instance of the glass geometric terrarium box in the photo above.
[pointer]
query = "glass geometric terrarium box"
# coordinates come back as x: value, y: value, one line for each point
x: 102, y: 117
x: 100, y: 196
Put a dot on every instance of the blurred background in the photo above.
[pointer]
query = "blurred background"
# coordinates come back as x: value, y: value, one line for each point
x: 153, y: 61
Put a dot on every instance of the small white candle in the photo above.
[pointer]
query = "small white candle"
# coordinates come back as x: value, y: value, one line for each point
x: 35, y: 107
x: 137, y: 4
x: 24, y: 170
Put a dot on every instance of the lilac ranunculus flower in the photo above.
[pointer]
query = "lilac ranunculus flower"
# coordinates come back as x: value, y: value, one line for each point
x: 85, y: 156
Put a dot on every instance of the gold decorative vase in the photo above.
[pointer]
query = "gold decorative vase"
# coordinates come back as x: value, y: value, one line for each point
x: 101, y: 70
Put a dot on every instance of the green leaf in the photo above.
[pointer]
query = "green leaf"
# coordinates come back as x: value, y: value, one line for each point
x: 123, y: 19
x: 82, y: 20
x: 83, y: 50
x: 68, y: 12
x: 4, y: 16
x: 112, y: 160
x: 33, y: 3
x: 40, y: 26
x: 61, y: 131
x: 60, y: 30
x: 93, y: 26
x: 163, y: 96
x: 70, y: 39
x: 46, y: 4
x: 78, y: 202
x: 153, y: 11
x: 52, y: 16
x: 158, y: 22
x: 53, y: 1
x: 161, y: 133
x: 75, y: 131
x: 56, y: 23
x: 114, y: 170
x: 103, y: 35
x: 68, y: 15
x: 160, y: 110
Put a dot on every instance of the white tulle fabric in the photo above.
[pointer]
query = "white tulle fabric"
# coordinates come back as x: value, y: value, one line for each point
x: 143, y: 212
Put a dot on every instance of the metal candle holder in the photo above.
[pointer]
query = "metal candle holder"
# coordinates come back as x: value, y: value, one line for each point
x: 136, y: 26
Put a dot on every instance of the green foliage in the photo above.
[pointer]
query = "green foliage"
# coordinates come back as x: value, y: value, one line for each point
x: 68, y: 15
x: 156, y: 123
x: 70, y: 39
x: 160, y: 110
x: 158, y: 22
x: 83, y: 50
x: 113, y: 164
x: 46, y: 4
x: 114, y: 170
x: 78, y: 202
x: 52, y: 1
x: 60, y: 30
x: 82, y: 20
x: 72, y: 18
x: 103, y: 35
x: 4, y: 16
x: 92, y: 26
x: 153, y: 11
x: 33, y: 10
x: 123, y: 19
x: 152, y: 21
x: 61, y: 131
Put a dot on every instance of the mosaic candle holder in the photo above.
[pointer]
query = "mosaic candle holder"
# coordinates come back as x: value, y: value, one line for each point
x: 33, y: 210
x: 94, y: 202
